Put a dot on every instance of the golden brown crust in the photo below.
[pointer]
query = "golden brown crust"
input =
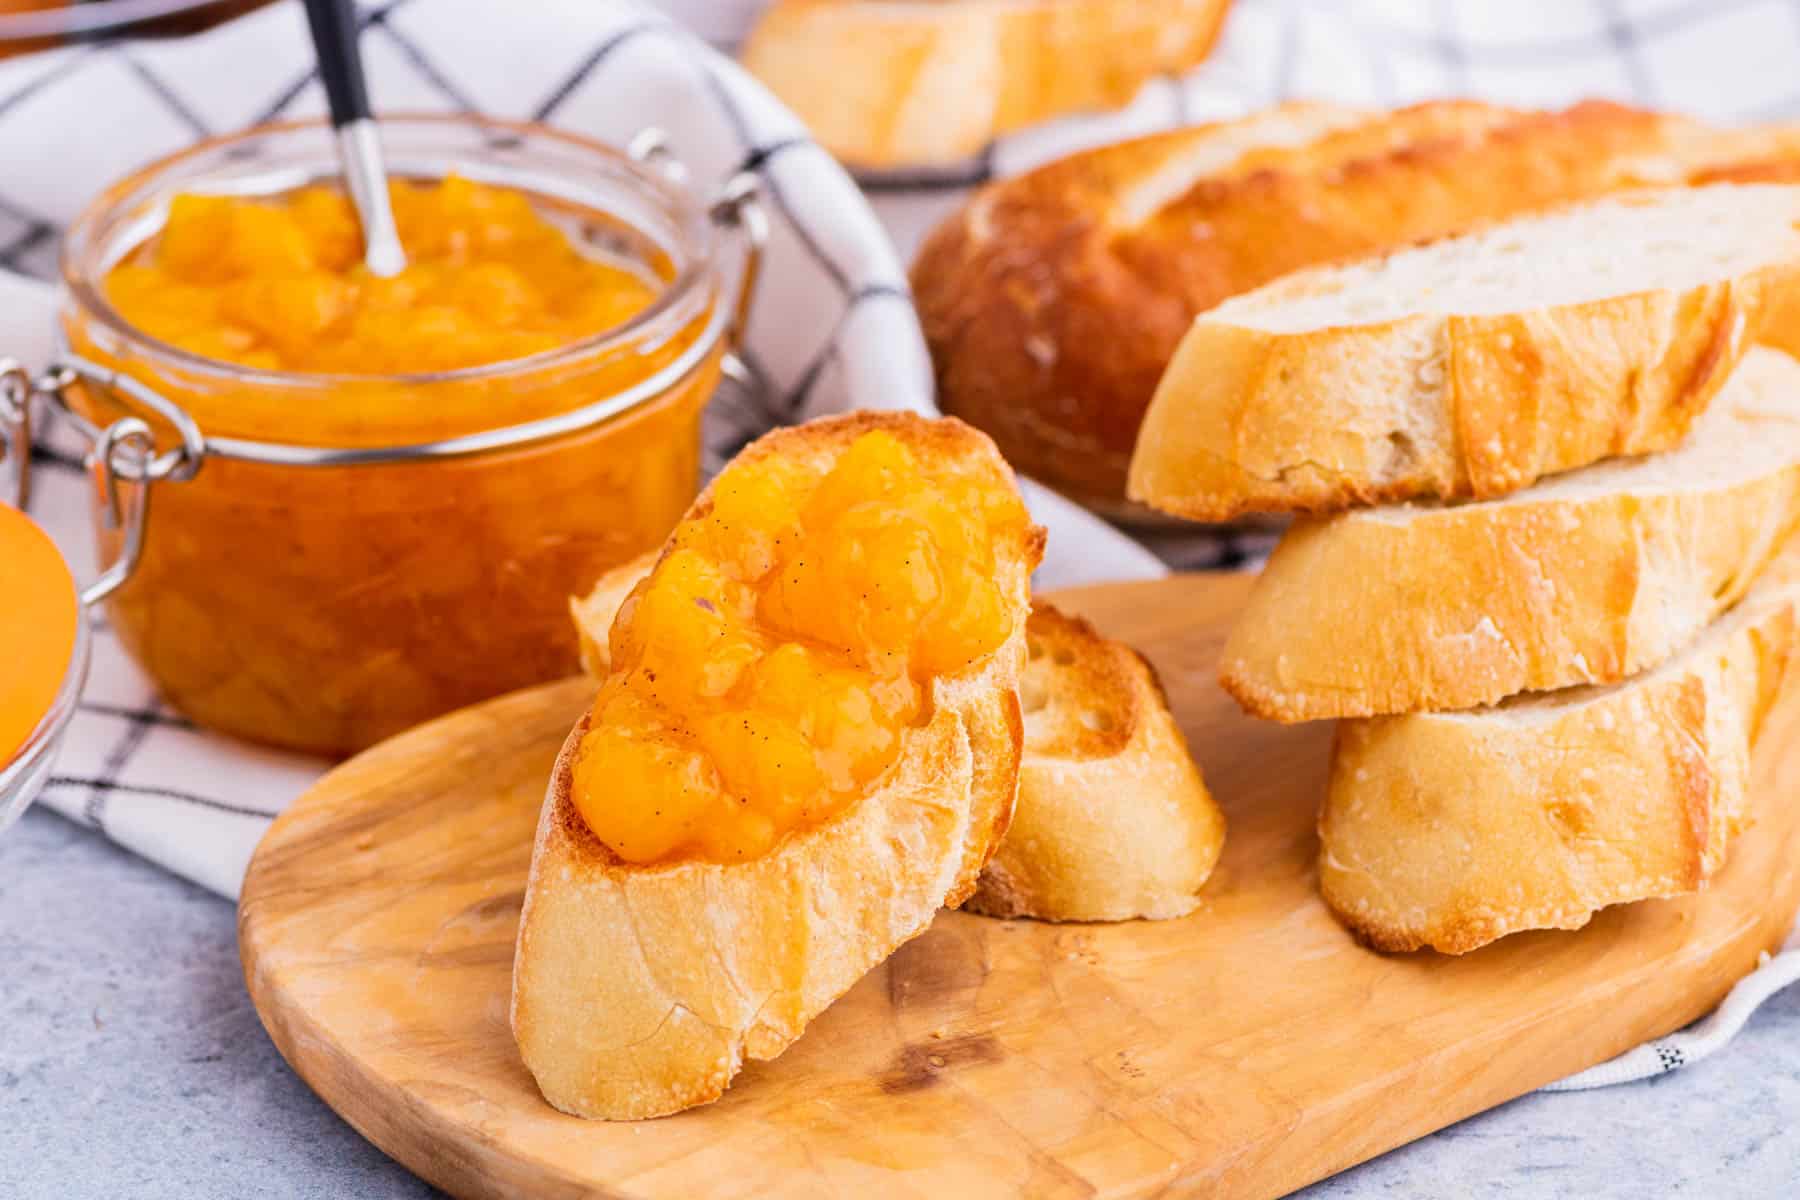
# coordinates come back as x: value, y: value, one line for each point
x: 639, y: 991
x: 1113, y: 820
x: 1437, y: 608
x: 896, y: 85
x: 1052, y: 302
x: 1452, y: 830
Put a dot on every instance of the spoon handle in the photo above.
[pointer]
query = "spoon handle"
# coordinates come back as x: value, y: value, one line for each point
x: 334, y: 32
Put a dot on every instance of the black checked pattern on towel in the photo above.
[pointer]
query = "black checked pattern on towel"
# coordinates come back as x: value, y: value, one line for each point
x: 613, y: 43
x: 100, y: 788
x: 111, y: 787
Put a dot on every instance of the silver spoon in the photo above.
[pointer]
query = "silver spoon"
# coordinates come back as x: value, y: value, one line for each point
x: 334, y: 31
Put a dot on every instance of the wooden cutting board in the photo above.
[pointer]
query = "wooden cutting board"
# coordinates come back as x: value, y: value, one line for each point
x: 1240, y: 1052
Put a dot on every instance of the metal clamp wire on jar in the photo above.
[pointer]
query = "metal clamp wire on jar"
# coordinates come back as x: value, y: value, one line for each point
x: 125, y: 449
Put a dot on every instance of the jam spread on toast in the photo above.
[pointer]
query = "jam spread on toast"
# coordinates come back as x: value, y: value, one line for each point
x: 764, y: 672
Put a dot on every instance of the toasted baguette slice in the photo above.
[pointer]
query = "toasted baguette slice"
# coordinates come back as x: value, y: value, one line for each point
x: 1053, y: 301
x: 1471, y: 366
x: 639, y: 991
x: 895, y: 85
x: 1586, y: 578
x: 1113, y: 820
x: 1449, y: 830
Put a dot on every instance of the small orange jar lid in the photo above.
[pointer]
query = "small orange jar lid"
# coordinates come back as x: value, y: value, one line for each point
x: 39, y: 611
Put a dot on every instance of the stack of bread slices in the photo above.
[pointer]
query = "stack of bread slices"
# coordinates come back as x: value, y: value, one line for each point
x: 1548, y: 474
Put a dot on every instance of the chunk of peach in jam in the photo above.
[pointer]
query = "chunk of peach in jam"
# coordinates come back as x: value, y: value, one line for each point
x: 785, y: 643
x: 279, y: 283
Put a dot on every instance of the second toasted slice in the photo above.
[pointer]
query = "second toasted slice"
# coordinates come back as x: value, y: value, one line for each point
x: 1113, y: 820
x: 1585, y: 578
x: 1470, y: 366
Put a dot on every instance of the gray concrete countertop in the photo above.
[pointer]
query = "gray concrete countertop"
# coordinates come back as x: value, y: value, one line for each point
x: 131, y: 1064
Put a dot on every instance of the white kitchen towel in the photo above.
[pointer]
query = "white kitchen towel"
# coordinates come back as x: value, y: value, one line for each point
x: 835, y: 330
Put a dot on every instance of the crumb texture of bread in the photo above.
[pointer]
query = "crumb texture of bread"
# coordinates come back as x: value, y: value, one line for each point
x: 1113, y: 819
x: 1450, y: 830
x: 1053, y: 301
x: 1472, y: 366
x: 1584, y: 578
x: 639, y: 991
x: 898, y: 85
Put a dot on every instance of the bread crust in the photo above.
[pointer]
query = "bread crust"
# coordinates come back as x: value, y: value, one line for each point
x: 897, y: 85
x: 639, y: 991
x: 1113, y: 819
x: 1053, y: 301
x: 1437, y: 608
x: 1247, y: 419
x: 1452, y: 830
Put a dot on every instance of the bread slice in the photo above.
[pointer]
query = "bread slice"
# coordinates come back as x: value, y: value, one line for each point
x: 639, y: 991
x: 1053, y: 301
x: 898, y: 85
x: 1585, y: 578
x: 1449, y: 830
x: 1471, y: 366
x: 1113, y: 820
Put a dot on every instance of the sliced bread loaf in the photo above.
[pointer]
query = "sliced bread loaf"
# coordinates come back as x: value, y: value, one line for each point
x: 1474, y: 365
x: 1449, y: 830
x: 1585, y: 578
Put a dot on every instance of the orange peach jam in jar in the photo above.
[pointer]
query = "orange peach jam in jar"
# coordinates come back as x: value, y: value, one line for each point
x: 765, y: 671
x: 327, y: 578
x: 278, y: 284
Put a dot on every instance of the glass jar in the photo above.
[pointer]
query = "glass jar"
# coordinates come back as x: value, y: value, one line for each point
x: 324, y: 560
